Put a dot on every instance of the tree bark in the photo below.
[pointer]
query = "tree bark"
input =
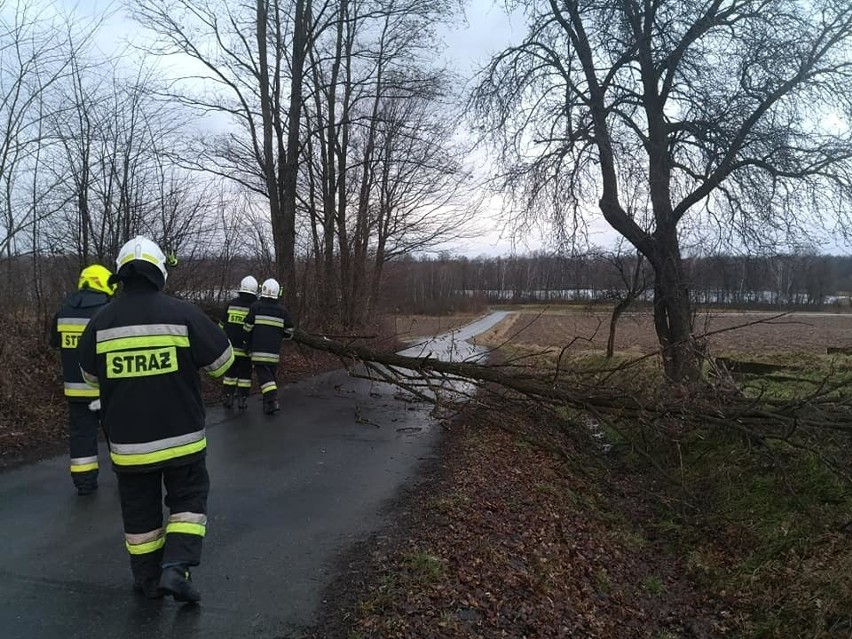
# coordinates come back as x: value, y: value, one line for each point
x: 285, y: 248
x: 672, y: 310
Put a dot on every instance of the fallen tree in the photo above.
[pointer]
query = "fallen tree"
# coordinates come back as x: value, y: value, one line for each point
x: 827, y: 409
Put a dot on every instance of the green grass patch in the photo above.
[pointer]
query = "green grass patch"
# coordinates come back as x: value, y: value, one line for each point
x: 423, y: 568
x: 654, y: 585
x: 779, y: 512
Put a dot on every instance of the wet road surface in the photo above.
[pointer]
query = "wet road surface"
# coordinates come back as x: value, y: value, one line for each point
x: 288, y: 494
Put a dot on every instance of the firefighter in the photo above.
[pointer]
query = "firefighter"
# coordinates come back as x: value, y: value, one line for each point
x: 93, y: 292
x: 237, y: 380
x: 144, y: 352
x: 267, y: 323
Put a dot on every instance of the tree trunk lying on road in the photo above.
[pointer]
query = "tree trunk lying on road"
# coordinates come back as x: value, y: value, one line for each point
x: 602, y: 400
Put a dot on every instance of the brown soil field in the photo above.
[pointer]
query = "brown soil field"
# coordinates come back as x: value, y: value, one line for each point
x: 794, y: 333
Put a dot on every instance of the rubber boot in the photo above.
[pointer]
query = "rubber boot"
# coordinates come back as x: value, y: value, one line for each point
x: 228, y: 398
x: 270, y: 404
x: 177, y: 582
x: 86, y: 483
x: 149, y: 587
x: 242, y: 401
x: 146, y: 573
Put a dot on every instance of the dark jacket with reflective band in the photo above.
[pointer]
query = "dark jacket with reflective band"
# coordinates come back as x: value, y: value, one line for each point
x: 68, y: 324
x: 234, y: 319
x: 266, y: 325
x: 144, y: 351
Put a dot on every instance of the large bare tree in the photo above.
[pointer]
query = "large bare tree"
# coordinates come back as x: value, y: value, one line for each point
x: 732, y: 113
x: 246, y: 59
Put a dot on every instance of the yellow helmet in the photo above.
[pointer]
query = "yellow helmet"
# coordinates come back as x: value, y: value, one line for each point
x: 96, y: 278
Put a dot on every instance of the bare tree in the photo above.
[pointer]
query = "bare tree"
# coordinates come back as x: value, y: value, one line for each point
x: 719, y: 105
x: 381, y: 171
x: 35, y: 54
x: 250, y: 58
x: 631, y: 273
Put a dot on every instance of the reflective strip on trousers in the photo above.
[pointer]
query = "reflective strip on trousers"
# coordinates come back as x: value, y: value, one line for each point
x: 157, y: 451
x: 80, y: 389
x: 268, y: 387
x: 144, y: 543
x: 187, y: 523
x: 244, y: 383
x: 84, y: 464
x: 229, y: 381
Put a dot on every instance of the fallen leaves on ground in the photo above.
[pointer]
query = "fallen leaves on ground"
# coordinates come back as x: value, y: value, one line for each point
x: 510, y: 540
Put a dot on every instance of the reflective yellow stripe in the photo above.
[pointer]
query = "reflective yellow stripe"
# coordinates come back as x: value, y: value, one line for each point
x: 144, y: 256
x: 219, y: 371
x: 70, y: 328
x: 83, y: 468
x: 147, y: 547
x: 146, y: 341
x: 159, y: 455
x: 264, y: 322
x: 77, y: 392
x: 186, y: 528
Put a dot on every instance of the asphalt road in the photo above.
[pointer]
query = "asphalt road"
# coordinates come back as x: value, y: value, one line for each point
x: 288, y: 495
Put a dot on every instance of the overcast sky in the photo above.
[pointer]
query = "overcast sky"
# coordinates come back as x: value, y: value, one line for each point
x: 483, y: 30
x: 467, y: 46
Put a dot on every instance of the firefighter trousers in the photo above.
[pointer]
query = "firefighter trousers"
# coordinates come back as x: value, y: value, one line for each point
x: 179, y: 543
x: 238, y: 377
x: 83, y: 427
x: 266, y: 376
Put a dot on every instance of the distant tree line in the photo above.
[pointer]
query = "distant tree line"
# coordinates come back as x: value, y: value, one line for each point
x: 773, y: 281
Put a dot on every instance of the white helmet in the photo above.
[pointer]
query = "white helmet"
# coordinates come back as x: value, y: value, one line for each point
x: 270, y: 288
x: 141, y: 248
x: 248, y: 285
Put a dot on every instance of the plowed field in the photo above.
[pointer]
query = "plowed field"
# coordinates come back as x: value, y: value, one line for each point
x: 810, y: 333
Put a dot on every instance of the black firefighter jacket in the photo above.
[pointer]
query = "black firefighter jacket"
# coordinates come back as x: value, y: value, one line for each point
x: 235, y: 317
x: 266, y: 325
x: 144, y: 351
x: 68, y: 324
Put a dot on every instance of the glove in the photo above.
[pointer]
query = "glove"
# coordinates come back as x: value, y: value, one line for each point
x: 288, y: 333
x: 95, y: 405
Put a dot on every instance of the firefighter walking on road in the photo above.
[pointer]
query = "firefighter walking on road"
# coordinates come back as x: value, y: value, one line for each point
x: 93, y: 293
x: 237, y: 381
x: 144, y: 352
x: 267, y: 324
